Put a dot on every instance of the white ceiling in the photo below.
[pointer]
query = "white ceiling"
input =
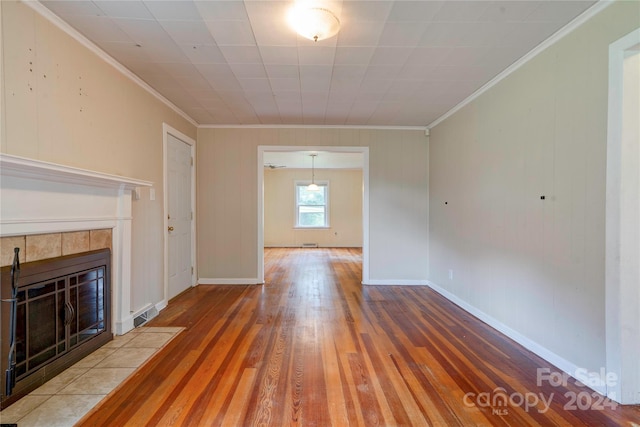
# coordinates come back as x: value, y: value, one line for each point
x: 393, y: 63
x: 323, y: 160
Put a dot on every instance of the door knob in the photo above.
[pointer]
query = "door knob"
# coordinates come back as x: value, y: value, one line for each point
x: 170, y: 228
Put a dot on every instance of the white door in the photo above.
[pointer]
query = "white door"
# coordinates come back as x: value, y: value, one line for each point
x: 179, y: 217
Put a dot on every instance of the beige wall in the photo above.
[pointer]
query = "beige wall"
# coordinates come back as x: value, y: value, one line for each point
x: 227, y: 169
x: 63, y: 104
x: 536, y: 266
x: 345, y: 208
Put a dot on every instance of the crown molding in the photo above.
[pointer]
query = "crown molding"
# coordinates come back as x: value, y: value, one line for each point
x: 73, y: 33
x: 353, y: 127
x: 553, y: 39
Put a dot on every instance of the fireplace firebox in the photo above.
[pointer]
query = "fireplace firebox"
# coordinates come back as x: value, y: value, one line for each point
x: 62, y: 313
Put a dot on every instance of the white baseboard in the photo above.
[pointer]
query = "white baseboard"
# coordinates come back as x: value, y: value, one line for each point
x: 162, y: 305
x: 396, y: 282
x: 121, y: 328
x: 319, y: 246
x: 560, y: 362
x: 206, y: 281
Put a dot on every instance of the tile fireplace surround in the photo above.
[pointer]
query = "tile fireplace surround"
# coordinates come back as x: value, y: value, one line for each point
x: 37, y: 247
x: 51, y: 210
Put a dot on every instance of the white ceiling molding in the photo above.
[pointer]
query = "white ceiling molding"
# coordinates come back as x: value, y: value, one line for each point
x: 363, y: 127
x: 557, y: 36
x: 72, y: 32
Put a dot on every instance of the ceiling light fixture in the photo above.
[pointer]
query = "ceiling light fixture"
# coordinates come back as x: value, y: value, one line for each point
x: 313, y: 186
x: 314, y: 23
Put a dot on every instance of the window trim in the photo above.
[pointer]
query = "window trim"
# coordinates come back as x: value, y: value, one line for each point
x: 320, y: 183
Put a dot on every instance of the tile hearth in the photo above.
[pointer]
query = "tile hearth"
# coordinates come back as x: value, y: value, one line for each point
x: 65, y: 399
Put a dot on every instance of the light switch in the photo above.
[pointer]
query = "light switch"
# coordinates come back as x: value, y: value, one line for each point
x: 152, y: 194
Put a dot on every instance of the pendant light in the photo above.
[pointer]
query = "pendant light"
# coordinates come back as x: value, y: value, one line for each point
x: 313, y: 186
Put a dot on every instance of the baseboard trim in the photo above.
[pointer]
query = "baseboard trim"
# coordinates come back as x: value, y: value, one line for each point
x: 319, y: 246
x: 162, y: 305
x: 208, y: 281
x: 561, y: 363
x: 401, y: 282
x: 121, y: 328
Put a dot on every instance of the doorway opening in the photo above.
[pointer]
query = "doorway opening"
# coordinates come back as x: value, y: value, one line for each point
x: 302, y: 152
x: 622, y: 241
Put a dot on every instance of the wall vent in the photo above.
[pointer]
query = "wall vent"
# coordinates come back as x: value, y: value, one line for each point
x: 144, y: 317
x: 309, y: 245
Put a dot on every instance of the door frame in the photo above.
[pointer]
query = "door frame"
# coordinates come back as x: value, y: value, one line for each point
x: 365, y: 198
x: 621, y: 298
x: 166, y: 131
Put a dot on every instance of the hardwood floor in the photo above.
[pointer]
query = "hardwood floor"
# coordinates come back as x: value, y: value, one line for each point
x: 313, y: 347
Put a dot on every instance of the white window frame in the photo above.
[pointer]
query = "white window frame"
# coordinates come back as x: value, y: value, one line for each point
x: 324, y: 184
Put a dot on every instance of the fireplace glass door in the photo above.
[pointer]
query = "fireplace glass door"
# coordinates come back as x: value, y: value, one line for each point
x: 56, y: 316
x: 40, y: 330
x: 86, y: 298
x: 62, y: 314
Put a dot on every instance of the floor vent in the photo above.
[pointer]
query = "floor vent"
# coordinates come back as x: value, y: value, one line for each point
x: 309, y: 245
x: 144, y: 317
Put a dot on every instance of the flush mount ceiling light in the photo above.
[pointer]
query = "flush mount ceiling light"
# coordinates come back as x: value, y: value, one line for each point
x: 314, y: 23
x: 313, y: 186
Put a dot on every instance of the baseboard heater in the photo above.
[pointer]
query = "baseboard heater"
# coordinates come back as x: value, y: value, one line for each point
x: 309, y: 245
x: 145, y: 316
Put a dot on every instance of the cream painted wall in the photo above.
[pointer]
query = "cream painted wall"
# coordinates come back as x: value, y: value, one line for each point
x: 63, y: 104
x: 227, y: 197
x: 535, y: 266
x: 345, y: 208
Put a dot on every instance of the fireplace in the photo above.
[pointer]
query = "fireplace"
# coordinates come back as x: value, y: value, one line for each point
x: 61, y: 312
x: 60, y: 207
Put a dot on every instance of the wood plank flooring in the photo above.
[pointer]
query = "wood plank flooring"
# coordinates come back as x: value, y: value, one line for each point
x: 314, y: 347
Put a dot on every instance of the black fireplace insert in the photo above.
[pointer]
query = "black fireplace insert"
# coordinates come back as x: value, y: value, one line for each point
x: 59, y: 312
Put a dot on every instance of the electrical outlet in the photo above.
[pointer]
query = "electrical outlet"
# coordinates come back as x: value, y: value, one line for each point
x: 450, y: 274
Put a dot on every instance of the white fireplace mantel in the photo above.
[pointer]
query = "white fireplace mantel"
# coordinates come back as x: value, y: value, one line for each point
x: 36, y: 169
x: 39, y: 197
